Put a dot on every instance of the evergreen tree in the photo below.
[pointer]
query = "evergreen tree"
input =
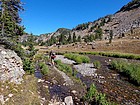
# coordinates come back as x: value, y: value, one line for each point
x: 92, y: 37
x: 79, y: 39
x: 9, y: 18
x: 74, y: 37
x: 62, y: 39
x: 98, y: 33
x: 69, y: 40
x: 111, y: 36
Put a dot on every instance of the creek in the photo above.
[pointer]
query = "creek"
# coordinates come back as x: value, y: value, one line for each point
x: 116, y: 87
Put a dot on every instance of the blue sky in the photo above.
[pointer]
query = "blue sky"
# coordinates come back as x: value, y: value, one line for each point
x: 44, y: 16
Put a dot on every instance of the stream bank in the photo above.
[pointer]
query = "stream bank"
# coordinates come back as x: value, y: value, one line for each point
x: 115, y: 86
x: 56, y: 85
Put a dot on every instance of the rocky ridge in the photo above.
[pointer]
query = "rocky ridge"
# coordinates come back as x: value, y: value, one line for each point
x: 11, y: 68
x: 125, y: 20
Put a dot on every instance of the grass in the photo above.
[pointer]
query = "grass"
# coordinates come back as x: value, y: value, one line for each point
x: 44, y: 68
x: 78, y: 58
x: 68, y: 70
x: 40, y: 57
x: 41, y: 60
x: 23, y: 94
x: 116, y: 55
x: 97, y: 64
x: 131, y: 70
x: 109, y: 54
x: 63, y: 67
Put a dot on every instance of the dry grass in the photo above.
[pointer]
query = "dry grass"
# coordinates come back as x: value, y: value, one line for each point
x: 23, y: 94
x: 118, y: 45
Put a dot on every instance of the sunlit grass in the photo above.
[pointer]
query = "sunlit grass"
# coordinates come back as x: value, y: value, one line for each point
x: 78, y: 58
x: 116, y: 55
x: 131, y: 70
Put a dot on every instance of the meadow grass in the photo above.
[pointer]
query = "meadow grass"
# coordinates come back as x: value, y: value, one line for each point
x: 78, y: 58
x: 44, y: 68
x: 108, y: 54
x: 116, y: 55
x: 63, y: 67
x: 97, y: 64
x: 131, y: 70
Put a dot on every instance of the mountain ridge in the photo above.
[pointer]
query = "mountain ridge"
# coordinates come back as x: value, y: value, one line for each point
x: 123, y: 21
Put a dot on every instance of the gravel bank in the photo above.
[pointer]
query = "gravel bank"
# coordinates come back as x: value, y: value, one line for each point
x: 64, y: 60
x: 86, y: 69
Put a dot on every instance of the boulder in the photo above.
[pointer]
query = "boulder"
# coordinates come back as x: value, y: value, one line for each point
x: 11, y: 67
x: 68, y: 100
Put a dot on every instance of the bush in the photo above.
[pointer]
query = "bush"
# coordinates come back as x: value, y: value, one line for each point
x: 28, y: 66
x: 101, y: 99
x: 97, y: 64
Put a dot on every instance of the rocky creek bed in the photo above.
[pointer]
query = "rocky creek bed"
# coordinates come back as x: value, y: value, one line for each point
x: 107, y: 81
x: 115, y: 86
x: 56, y: 86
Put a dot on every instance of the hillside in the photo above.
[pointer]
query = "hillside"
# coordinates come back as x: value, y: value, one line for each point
x: 122, y: 23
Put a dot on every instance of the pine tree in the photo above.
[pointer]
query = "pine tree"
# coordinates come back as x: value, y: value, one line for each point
x: 62, y: 39
x: 74, y: 37
x: 79, y: 39
x: 111, y: 36
x: 69, y: 40
x: 98, y: 33
x: 9, y: 18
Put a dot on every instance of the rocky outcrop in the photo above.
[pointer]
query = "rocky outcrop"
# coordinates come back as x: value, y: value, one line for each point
x: 120, y: 23
x: 130, y: 6
x: 11, y: 68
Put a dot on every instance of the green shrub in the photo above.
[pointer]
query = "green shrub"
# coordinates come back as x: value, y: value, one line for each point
x: 101, y: 99
x: 94, y: 96
x: 44, y: 68
x: 91, y: 93
x: 97, y: 64
x: 77, y: 59
x: 28, y: 66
